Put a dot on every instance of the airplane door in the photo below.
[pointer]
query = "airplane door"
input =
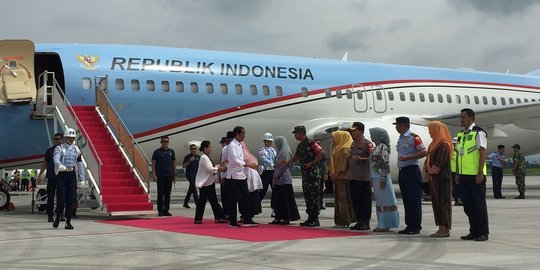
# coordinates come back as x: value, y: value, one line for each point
x: 102, y: 83
x: 17, y: 84
x: 378, y: 95
x: 361, y: 102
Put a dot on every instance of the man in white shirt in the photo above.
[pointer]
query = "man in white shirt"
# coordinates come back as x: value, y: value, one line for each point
x: 236, y: 178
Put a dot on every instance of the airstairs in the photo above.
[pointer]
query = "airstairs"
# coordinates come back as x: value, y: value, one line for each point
x: 117, y: 168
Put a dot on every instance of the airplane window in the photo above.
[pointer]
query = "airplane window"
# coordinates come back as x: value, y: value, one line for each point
x: 135, y: 85
x: 360, y: 95
x: 349, y: 93
x: 209, y: 88
x: 503, y: 101
x: 119, y: 84
x: 279, y: 91
x: 194, y: 87
x: 238, y: 89
x: 391, y: 96
x: 338, y: 93
x: 328, y: 93
x: 179, y: 86
x: 526, y: 100
x: 476, y: 100
x: 448, y: 98
x: 266, y: 90
x: 494, y: 100
x: 518, y: 100
x: 150, y: 85
x: 304, y: 91
x: 86, y: 83
x: 458, y: 99
x: 412, y: 97
x: 485, y: 100
x: 467, y: 99
x: 165, y: 87
x: 440, y: 98
x: 401, y: 96
x: 431, y: 98
x: 379, y: 95
x: 253, y: 89
x: 223, y: 88
x: 510, y: 100
x: 422, y: 97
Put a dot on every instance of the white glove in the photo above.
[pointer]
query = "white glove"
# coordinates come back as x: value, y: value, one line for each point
x: 62, y: 168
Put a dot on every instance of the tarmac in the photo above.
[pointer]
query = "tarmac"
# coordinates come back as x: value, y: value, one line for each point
x: 28, y: 241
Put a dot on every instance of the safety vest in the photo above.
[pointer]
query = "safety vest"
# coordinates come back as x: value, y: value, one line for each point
x: 468, y: 152
x: 453, y: 161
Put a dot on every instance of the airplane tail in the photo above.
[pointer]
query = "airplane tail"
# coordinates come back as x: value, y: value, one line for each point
x: 534, y: 73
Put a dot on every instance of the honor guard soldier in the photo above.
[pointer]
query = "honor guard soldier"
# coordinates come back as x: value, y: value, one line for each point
x: 67, y: 162
x: 471, y: 168
x: 410, y: 148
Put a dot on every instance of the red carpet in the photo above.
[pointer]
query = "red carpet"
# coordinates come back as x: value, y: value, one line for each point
x: 261, y: 233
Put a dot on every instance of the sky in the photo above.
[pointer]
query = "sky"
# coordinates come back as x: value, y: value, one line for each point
x: 489, y: 35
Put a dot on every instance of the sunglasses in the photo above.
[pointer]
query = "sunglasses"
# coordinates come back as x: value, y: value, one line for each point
x: 57, y: 139
x: 164, y: 141
x: 193, y: 148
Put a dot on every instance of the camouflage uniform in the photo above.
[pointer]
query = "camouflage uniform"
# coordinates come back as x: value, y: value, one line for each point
x: 519, y: 172
x: 311, y: 177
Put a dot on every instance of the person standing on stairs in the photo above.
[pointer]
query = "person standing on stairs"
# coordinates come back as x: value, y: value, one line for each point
x: 191, y: 165
x: 164, y: 172
x: 67, y: 162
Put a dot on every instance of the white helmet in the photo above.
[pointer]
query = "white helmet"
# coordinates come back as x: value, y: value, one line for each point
x: 268, y: 137
x: 454, y: 140
x: 69, y: 132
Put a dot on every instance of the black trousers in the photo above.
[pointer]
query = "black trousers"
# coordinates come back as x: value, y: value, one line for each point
x: 208, y: 193
x: 238, y: 192
x: 224, y: 197
x: 66, y: 188
x: 361, y: 200
x: 164, y: 186
x: 455, y: 188
x: 266, y: 178
x: 51, y: 193
x: 410, y: 184
x: 191, y: 190
x: 474, y: 204
x: 497, y: 177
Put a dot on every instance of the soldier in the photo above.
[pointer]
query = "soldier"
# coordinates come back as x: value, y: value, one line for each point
x: 410, y: 149
x: 471, y: 168
x: 67, y: 161
x: 518, y: 170
x: 309, y: 154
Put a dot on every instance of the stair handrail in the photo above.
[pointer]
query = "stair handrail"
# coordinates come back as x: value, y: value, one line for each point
x: 92, y: 160
x: 136, y: 156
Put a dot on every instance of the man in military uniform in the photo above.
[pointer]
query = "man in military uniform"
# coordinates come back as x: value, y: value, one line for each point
x: 518, y: 170
x: 309, y: 154
x: 410, y: 149
x: 67, y: 161
x: 471, y: 168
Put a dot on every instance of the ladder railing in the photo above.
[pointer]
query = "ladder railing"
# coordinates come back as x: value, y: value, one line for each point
x: 134, y: 153
x: 64, y: 114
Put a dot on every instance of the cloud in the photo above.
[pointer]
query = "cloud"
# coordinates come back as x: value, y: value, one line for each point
x: 494, y: 7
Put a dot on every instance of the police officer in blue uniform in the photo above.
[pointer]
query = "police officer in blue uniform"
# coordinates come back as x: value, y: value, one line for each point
x: 67, y: 162
x: 410, y: 148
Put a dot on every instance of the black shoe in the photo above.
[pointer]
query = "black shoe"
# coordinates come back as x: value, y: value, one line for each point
x: 56, y: 222
x: 275, y: 222
x: 234, y: 225
x: 51, y: 219
x: 284, y: 222
x: 69, y: 226
x: 520, y: 197
x: 360, y: 227
x: 250, y: 224
x: 198, y: 222
x: 314, y: 223
x: 186, y: 205
x: 160, y: 214
x: 468, y: 237
x: 413, y: 232
x: 482, y: 237
x: 405, y: 231
x: 221, y: 220
x: 500, y: 197
x: 167, y: 214
x: 62, y: 218
x: 305, y: 223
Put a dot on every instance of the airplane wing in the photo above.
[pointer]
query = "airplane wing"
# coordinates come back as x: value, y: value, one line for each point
x: 526, y: 116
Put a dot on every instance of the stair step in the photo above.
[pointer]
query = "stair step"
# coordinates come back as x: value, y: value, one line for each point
x: 112, y: 199
x: 117, y: 175
x: 122, y: 182
x: 115, y: 168
x: 122, y: 190
x: 117, y: 207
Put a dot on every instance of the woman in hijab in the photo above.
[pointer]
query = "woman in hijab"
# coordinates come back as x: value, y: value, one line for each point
x: 440, y: 176
x: 339, y: 160
x: 283, y: 194
x: 385, y: 198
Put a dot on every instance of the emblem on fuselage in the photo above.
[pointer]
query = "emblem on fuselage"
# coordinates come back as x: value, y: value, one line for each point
x: 88, y: 62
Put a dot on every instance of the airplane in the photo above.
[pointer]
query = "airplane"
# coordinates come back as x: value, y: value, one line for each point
x: 193, y: 95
